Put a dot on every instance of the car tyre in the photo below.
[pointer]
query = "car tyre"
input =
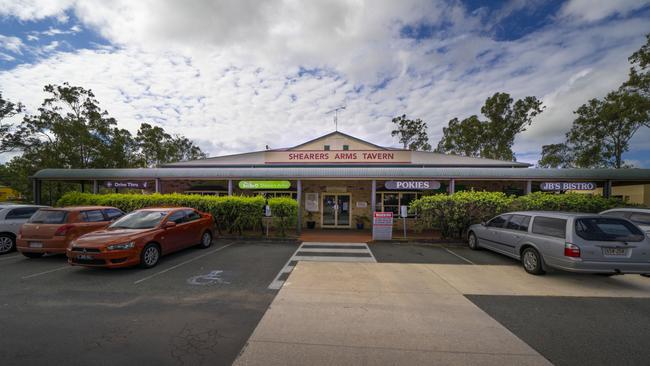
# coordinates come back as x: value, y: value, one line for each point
x: 206, y: 240
x: 645, y: 275
x: 7, y: 243
x: 472, y: 241
x: 532, y: 261
x: 32, y: 254
x: 150, y: 256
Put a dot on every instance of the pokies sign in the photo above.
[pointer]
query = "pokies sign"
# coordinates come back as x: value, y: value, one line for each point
x: 416, y: 185
x: 567, y: 186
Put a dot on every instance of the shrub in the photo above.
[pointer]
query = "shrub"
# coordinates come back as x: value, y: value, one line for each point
x: 232, y: 213
x: 569, y: 202
x: 285, y: 212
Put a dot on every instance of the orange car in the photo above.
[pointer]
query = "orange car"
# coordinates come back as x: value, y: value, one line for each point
x: 50, y: 230
x: 142, y: 237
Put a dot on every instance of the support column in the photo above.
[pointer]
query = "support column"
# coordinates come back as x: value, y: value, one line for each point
x: 158, y: 187
x: 36, y: 191
x: 607, y: 189
x: 95, y: 187
x: 83, y: 190
x: 230, y: 187
x: 529, y: 186
x: 373, y: 199
x: 452, y: 186
x: 299, y: 198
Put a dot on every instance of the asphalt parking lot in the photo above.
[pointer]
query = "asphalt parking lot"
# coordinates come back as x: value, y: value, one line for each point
x: 201, y: 306
x: 197, y: 307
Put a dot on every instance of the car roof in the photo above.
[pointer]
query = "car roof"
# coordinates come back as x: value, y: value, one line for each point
x: 165, y: 208
x: 629, y: 209
x: 79, y: 208
x: 16, y: 205
x: 554, y: 214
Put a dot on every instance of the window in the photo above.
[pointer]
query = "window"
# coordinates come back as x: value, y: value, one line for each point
x: 139, y: 220
x: 92, y: 216
x: 640, y: 218
x: 113, y: 213
x: 49, y: 217
x: 178, y: 217
x: 327, y: 147
x: 192, y: 215
x: 346, y: 147
x: 607, y: 229
x: 622, y: 214
x: 391, y: 201
x: 21, y: 213
x: 518, y: 222
x: 498, y: 222
x: 549, y: 226
x: 274, y: 194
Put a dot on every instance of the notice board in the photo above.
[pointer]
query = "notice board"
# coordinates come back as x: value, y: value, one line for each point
x: 382, y: 226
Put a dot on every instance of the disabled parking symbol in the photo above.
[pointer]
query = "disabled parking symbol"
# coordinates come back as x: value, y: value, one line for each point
x: 208, y: 279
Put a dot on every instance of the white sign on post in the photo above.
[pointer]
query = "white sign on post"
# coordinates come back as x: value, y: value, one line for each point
x: 382, y: 226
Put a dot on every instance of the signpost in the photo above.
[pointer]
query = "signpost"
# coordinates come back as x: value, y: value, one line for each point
x: 264, y: 184
x: 126, y: 184
x: 567, y: 186
x: 382, y: 226
x: 404, y: 212
x: 409, y: 185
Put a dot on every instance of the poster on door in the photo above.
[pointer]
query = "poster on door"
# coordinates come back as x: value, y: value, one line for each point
x: 311, y: 202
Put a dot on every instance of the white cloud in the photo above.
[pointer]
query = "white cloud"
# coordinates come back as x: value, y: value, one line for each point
x: 594, y: 10
x: 227, y: 73
x: 11, y: 44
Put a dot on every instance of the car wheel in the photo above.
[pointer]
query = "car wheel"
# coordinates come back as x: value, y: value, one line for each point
x: 472, y: 241
x: 206, y: 240
x: 645, y: 275
x: 150, y: 256
x: 532, y: 261
x: 32, y: 255
x: 7, y: 243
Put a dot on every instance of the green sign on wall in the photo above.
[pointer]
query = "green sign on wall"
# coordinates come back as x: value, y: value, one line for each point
x: 264, y: 184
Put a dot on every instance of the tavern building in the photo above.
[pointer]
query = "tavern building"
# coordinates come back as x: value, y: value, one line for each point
x: 337, y: 177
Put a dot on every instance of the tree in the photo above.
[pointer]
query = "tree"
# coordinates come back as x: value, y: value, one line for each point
x: 494, y: 137
x: 639, y: 76
x: 8, y: 109
x: 412, y: 133
x: 556, y: 156
x: 157, y: 147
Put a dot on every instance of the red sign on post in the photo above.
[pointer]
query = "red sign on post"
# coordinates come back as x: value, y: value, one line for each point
x: 382, y: 226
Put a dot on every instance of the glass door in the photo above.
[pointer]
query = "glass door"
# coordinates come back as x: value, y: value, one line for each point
x: 336, y: 210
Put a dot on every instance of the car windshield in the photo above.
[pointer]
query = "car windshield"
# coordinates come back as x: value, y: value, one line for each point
x: 139, y: 220
x: 48, y: 217
x: 607, y: 229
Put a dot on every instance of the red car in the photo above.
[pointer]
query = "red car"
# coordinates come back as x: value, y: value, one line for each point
x: 142, y: 237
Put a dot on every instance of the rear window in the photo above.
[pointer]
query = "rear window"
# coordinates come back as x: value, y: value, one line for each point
x: 549, y: 226
x: 21, y: 213
x: 607, y: 229
x: 640, y: 218
x: 48, y: 217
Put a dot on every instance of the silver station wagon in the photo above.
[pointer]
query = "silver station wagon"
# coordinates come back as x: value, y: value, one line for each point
x: 568, y: 241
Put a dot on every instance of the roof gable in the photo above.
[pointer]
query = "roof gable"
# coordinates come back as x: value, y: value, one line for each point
x: 336, y: 140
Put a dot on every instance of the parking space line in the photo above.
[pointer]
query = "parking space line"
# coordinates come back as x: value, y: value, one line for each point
x: 460, y: 256
x: 181, y: 264
x: 46, y: 272
x: 3, y: 258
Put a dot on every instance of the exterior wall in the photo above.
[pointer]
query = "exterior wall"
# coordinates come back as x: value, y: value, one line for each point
x: 336, y: 142
x: 180, y: 186
x: 360, y: 192
x: 639, y: 194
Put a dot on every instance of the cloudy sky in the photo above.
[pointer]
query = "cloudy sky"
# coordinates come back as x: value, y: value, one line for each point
x: 238, y: 75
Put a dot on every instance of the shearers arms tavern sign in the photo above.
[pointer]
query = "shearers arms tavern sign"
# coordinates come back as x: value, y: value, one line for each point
x: 337, y: 157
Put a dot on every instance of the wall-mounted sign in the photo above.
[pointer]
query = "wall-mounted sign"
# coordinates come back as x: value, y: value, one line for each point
x: 336, y: 189
x: 311, y: 202
x: 567, y: 186
x: 126, y: 184
x: 264, y: 184
x: 362, y: 204
x: 382, y: 226
x: 412, y: 185
x: 329, y: 157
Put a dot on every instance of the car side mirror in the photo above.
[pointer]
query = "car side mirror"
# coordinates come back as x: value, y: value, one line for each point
x: 169, y: 224
x: 483, y: 223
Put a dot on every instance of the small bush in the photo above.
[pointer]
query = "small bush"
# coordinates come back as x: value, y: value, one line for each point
x: 285, y: 212
x: 569, y: 202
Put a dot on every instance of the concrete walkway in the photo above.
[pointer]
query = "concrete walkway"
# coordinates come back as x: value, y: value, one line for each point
x: 333, y: 313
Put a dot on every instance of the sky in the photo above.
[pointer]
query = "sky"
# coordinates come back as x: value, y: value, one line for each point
x: 235, y: 76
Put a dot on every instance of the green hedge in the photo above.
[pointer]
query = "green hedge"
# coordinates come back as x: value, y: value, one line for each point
x: 453, y: 214
x: 285, y: 213
x: 232, y: 213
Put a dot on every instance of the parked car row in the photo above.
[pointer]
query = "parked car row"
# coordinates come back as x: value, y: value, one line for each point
x: 613, y: 242
x: 98, y: 236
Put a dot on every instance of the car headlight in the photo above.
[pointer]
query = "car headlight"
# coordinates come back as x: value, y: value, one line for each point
x: 121, y: 246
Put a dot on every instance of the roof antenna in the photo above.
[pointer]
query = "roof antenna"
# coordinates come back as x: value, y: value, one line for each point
x: 336, y: 116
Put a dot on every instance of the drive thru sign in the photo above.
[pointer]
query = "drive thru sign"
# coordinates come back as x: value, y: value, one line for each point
x: 382, y: 226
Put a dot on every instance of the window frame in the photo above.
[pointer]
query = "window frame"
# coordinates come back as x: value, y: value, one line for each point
x: 526, y: 220
x: 535, y: 220
x: 326, y: 148
x: 379, y: 202
x: 169, y: 218
x: 506, y: 220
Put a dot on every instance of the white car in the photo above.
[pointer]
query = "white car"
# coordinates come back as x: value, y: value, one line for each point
x: 12, y: 217
x: 639, y: 216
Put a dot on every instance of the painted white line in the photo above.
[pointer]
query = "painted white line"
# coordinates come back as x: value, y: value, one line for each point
x: 6, y: 257
x: 342, y: 250
x: 333, y: 259
x: 181, y: 264
x: 307, y: 244
x: 276, y: 284
x: 460, y: 256
x: 370, y: 251
x: 46, y: 272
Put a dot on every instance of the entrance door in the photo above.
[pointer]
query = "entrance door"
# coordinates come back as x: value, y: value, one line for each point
x: 336, y: 210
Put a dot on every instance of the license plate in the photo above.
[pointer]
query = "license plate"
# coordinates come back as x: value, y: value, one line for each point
x: 614, y: 251
x: 84, y: 256
x: 35, y: 244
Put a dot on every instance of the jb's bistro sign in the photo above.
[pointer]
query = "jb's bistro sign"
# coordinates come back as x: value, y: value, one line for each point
x: 567, y: 186
x: 329, y: 157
